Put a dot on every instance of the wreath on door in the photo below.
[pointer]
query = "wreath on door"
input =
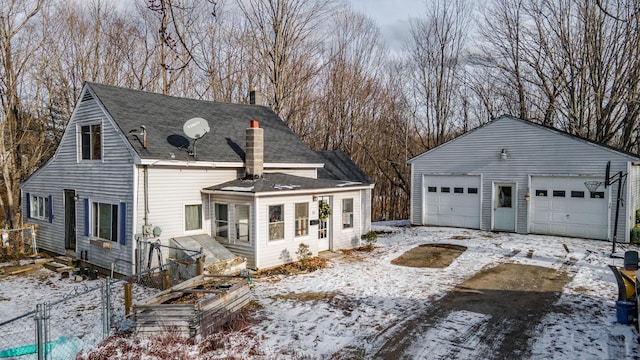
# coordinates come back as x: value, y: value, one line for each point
x: 324, y: 209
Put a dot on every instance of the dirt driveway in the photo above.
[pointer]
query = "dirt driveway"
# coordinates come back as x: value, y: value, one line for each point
x: 492, y: 315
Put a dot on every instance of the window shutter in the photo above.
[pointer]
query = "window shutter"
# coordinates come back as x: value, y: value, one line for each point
x: 50, y: 209
x: 28, y: 205
x: 122, y: 223
x: 86, y: 217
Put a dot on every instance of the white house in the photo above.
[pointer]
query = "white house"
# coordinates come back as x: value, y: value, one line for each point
x: 124, y: 172
x: 515, y: 175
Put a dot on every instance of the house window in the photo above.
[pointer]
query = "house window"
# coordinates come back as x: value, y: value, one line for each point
x: 432, y: 189
x: 91, y: 146
x: 472, y: 190
x: 458, y: 190
x: 541, y: 192
x: 222, y: 220
x: 242, y: 222
x: 276, y: 222
x: 193, y: 217
x: 577, y: 194
x: 347, y: 213
x: 105, y: 221
x: 39, y: 207
x: 302, y: 219
x: 559, y: 193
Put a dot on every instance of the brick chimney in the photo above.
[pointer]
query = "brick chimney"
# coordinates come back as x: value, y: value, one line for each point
x: 254, y: 151
x: 255, y: 97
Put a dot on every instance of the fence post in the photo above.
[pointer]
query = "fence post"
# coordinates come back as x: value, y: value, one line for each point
x: 127, y: 298
x: 106, y: 307
x: 42, y: 330
x: 165, y: 279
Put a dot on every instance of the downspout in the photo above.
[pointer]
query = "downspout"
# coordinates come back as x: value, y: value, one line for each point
x: 145, y: 170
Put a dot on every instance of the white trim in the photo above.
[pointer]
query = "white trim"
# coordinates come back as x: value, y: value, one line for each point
x: 287, y: 192
x: 269, y: 167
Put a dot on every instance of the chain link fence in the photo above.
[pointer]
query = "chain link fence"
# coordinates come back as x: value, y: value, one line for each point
x: 77, y: 323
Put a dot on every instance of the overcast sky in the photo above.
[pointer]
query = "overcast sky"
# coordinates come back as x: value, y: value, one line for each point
x: 391, y: 16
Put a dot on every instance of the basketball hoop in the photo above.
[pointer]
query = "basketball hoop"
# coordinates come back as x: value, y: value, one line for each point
x: 593, y: 186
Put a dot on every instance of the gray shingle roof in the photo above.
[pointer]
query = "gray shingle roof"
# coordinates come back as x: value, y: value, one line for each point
x: 339, y: 166
x: 164, y: 117
x: 281, y: 182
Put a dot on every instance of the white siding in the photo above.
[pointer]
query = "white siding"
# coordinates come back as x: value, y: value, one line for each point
x: 532, y: 150
x: 346, y: 238
x: 169, y: 190
x: 277, y: 252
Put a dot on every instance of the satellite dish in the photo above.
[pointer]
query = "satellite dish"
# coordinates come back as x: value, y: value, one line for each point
x: 196, y: 128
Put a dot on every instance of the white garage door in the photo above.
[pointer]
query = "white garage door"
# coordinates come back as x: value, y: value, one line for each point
x: 452, y: 200
x: 564, y: 206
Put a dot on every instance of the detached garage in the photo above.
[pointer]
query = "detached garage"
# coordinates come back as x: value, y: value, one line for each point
x: 514, y: 175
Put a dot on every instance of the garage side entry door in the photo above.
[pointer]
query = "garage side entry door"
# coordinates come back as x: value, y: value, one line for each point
x: 563, y: 206
x: 452, y: 200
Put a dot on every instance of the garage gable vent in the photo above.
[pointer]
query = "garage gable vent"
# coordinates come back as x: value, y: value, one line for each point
x: 86, y: 97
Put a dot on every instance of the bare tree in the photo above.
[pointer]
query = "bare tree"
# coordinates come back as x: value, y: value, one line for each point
x: 438, y: 41
x: 18, y: 41
x: 286, y: 41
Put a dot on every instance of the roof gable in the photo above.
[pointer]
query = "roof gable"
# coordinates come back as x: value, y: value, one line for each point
x: 164, y: 117
x: 527, y: 126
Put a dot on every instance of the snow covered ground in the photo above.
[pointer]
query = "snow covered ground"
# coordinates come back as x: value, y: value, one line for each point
x: 350, y: 309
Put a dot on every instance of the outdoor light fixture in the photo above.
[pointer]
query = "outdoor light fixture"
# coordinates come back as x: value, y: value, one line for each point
x: 504, y: 155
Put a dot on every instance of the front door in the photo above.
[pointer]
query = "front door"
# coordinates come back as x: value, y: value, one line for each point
x: 504, y: 207
x: 324, y: 225
x: 70, y: 220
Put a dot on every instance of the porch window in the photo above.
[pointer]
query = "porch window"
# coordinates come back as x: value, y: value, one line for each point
x: 242, y: 222
x: 39, y: 207
x: 222, y: 220
x: 193, y: 217
x: 90, y: 142
x: 302, y: 219
x: 105, y: 221
x: 276, y: 222
x: 347, y: 213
